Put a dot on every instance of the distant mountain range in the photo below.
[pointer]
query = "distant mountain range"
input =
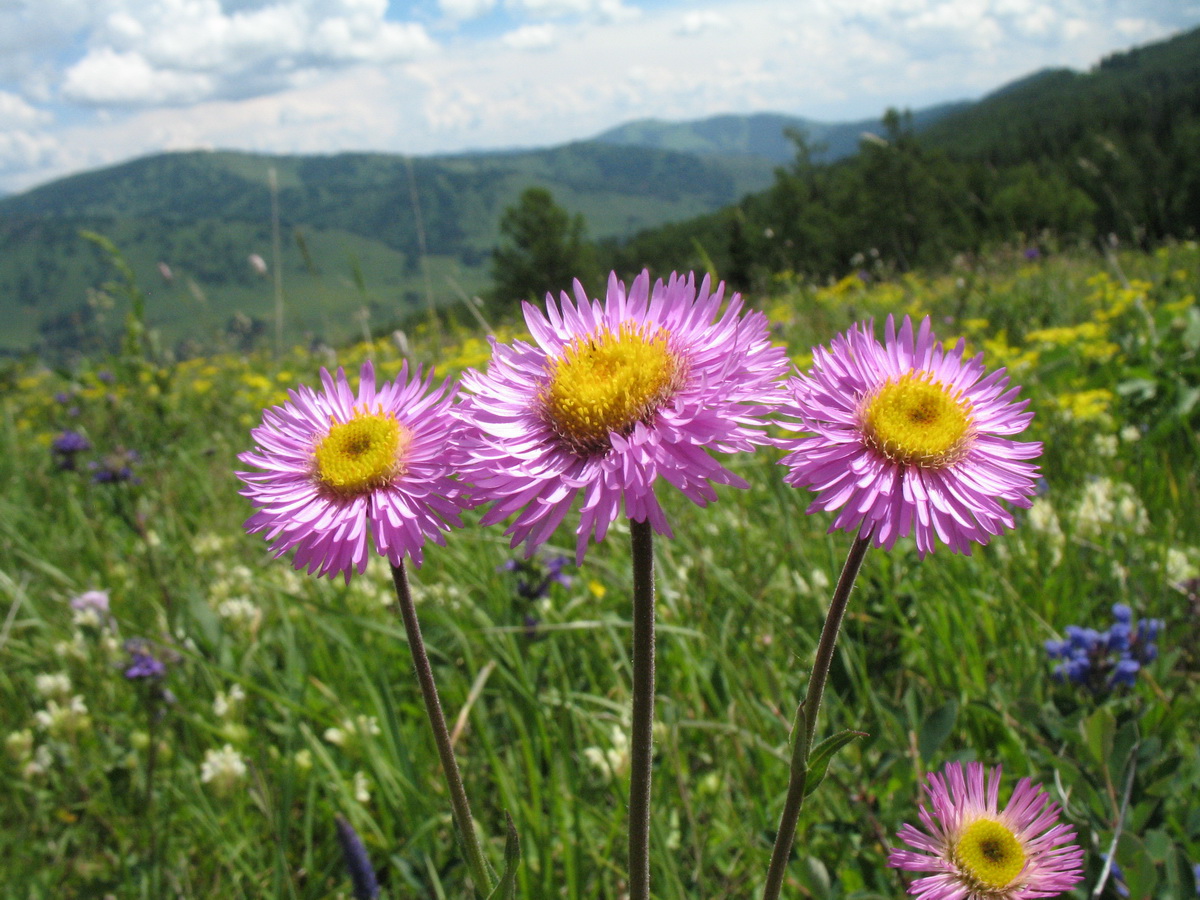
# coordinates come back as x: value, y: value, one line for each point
x: 762, y: 135
x: 369, y: 238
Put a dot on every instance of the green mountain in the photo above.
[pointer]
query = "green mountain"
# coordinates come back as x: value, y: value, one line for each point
x: 364, y: 236
x: 1058, y: 156
x: 762, y: 135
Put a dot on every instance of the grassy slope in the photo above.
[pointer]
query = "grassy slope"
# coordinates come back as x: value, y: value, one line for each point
x: 204, y: 213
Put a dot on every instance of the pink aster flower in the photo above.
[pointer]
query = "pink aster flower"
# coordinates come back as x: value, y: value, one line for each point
x: 341, y: 471
x: 907, y: 438
x: 979, y: 852
x: 611, y: 397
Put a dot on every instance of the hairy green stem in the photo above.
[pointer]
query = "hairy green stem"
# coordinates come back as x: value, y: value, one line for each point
x: 481, y: 872
x: 806, y: 718
x: 642, y: 739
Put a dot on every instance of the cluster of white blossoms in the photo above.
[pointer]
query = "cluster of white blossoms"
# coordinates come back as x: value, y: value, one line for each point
x: 222, y: 769
x: 611, y: 762
x: 54, y: 685
x: 351, y: 732
x: 63, y: 720
x: 1106, y: 503
x: 227, y: 704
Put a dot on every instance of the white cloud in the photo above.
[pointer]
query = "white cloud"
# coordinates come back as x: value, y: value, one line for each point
x: 108, y: 77
x: 16, y: 113
x: 181, y: 51
x: 465, y: 9
x: 702, y: 20
x: 605, y: 10
x: 531, y: 37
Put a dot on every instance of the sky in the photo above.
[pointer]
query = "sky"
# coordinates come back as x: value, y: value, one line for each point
x: 90, y: 83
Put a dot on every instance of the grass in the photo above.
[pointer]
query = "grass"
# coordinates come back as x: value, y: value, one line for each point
x: 940, y: 659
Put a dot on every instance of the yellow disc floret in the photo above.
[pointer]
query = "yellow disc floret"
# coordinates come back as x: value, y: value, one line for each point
x: 990, y: 854
x: 361, y: 455
x: 608, y: 382
x: 916, y: 420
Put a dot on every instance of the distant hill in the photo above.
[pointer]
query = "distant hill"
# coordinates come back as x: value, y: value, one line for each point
x: 761, y: 135
x: 353, y: 238
x: 1052, y: 113
x: 1056, y: 156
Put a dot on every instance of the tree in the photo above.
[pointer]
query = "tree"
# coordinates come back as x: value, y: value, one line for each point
x: 544, y: 249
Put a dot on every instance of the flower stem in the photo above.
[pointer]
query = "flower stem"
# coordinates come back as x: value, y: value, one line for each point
x: 642, y: 739
x: 481, y: 872
x: 807, y: 717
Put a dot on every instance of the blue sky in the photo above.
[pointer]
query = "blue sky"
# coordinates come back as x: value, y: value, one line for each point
x: 86, y: 83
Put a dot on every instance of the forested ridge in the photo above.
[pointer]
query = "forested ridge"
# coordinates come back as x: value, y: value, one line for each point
x: 1059, y: 156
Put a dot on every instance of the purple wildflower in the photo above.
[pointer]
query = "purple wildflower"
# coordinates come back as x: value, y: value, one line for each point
x: 977, y: 851
x: 909, y: 438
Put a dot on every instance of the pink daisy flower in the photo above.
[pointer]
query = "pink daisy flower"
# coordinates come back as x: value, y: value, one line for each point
x: 341, y: 471
x: 613, y: 396
x: 909, y: 438
x: 979, y: 852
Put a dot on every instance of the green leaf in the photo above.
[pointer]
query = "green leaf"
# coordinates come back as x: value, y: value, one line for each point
x: 818, y: 876
x: 1137, y: 867
x: 818, y: 759
x: 1098, y: 730
x: 507, y: 888
x: 936, y: 728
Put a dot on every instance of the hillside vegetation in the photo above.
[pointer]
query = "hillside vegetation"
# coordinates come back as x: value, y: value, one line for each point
x: 1056, y: 158
x: 365, y: 237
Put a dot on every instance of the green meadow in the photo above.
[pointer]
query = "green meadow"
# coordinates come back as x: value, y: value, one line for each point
x: 287, y: 699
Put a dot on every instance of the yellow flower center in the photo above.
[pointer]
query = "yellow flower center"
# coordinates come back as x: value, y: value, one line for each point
x: 608, y: 382
x: 990, y: 854
x: 361, y: 455
x: 916, y: 420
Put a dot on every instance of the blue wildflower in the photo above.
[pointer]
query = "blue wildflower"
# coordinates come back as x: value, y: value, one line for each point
x: 358, y: 864
x: 1103, y: 660
x: 66, y: 446
x: 1118, y: 877
x: 115, y: 467
x: 142, y: 663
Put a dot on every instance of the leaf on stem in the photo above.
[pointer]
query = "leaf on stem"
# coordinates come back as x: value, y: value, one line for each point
x: 818, y: 760
x: 507, y: 888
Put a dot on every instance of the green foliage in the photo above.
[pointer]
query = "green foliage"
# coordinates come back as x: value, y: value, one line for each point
x: 544, y: 248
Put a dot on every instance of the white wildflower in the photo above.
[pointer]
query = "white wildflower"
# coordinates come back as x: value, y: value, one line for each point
x: 75, y: 648
x: 63, y: 720
x: 40, y: 763
x: 362, y: 788
x: 612, y: 762
x: 351, y: 731
x: 19, y: 744
x: 208, y: 544
x: 1105, y: 445
x: 226, y: 704
x: 241, y: 613
x: 1106, y: 503
x: 223, y: 769
x: 1181, y: 566
x: 56, y: 684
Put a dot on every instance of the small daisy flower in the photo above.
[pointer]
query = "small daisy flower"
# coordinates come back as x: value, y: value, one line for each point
x: 907, y: 438
x: 613, y: 396
x: 341, y: 471
x: 979, y: 852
